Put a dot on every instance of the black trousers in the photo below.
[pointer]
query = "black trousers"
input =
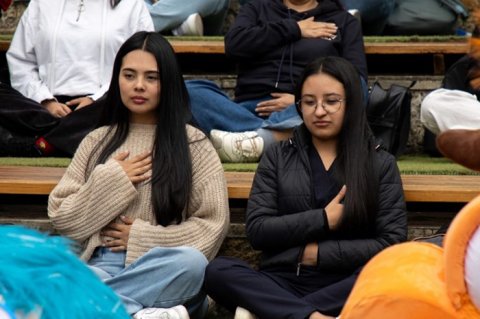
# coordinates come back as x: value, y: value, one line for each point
x: 277, y: 293
x: 25, y: 117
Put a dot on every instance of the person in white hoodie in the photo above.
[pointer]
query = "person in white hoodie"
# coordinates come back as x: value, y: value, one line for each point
x: 60, y: 62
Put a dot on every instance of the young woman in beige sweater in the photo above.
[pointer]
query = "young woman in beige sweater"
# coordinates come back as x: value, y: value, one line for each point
x: 145, y: 194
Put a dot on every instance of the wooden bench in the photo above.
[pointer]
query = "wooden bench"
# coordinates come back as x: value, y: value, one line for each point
x: 25, y: 180
x: 437, y: 49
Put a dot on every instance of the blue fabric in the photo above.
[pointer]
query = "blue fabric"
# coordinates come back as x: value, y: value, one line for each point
x: 42, y: 274
x: 213, y: 109
x: 162, y: 278
x: 169, y: 14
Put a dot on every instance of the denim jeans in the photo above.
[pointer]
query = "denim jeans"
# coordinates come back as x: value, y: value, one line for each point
x: 213, y: 109
x: 169, y: 14
x: 162, y: 278
x: 373, y: 13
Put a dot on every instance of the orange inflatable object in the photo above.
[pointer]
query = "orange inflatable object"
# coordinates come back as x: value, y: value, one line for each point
x: 419, y: 280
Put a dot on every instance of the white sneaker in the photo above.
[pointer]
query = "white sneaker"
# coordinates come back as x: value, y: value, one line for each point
x: 242, y: 313
x: 177, y: 312
x: 237, y: 147
x: 192, y: 26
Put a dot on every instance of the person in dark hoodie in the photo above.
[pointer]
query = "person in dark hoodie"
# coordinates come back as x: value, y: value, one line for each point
x: 272, y: 41
x: 322, y: 205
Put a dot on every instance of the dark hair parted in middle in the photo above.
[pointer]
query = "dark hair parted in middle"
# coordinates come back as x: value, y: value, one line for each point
x: 171, y: 165
x: 356, y: 146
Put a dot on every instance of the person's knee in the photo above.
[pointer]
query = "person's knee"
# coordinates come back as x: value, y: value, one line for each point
x: 217, y: 270
x: 191, y: 261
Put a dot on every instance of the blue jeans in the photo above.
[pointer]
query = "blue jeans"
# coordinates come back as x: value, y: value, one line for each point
x: 162, y: 278
x: 374, y: 13
x: 213, y: 109
x: 169, y: 14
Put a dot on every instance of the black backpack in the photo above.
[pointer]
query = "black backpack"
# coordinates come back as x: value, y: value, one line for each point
x: 388, y: 114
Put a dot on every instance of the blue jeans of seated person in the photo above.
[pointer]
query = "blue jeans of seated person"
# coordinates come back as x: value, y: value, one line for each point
x: 169, y: 14
x: 162, y: 278
x: 213, y: 109
x: 373, y: 13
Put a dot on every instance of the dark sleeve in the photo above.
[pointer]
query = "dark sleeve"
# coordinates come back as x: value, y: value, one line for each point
x: 390, y: 226
x: 268, y: 230
x: 353, y: 48
x: 250, y: 36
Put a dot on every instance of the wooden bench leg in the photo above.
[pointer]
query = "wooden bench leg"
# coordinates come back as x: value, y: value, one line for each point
x: 438, y: 64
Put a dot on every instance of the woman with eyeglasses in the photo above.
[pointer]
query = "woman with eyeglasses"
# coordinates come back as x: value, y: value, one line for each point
x: 322, y: 204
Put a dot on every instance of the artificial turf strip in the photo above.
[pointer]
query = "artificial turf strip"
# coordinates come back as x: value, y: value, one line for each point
x: 35, y: 161
x: 408, y: 165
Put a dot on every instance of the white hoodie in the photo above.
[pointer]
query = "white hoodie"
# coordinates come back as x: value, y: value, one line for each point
x: 59, y: 49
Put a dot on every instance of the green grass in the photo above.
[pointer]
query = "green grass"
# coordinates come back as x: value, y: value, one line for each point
x: 42, y: 161
x: 411, y: 165
x: 407, y: 164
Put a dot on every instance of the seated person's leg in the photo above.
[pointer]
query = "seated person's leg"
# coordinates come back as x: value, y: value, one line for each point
x: 213, y: 109
x: 170, y: 14
x: 163, y: 278
x: 233, y: 283
x: 67, y: 135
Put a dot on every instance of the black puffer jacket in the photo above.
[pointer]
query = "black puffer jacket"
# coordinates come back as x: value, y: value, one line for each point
x: 267, y: 43
x: 281, y: 217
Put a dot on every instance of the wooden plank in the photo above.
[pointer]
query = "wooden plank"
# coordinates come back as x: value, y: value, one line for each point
x: 218, y: 47
x: 441, y: 188
x: 239, y: 184
x: 29, y: 180
x: 417, y: 48
x: 417, y: 188
x: 202, y: 47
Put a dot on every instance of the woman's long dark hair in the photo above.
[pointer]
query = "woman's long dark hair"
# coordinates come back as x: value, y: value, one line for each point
x: 172, y: 166
x: 356, y: 146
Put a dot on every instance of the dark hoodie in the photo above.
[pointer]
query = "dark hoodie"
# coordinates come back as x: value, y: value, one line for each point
x: 266, y: 41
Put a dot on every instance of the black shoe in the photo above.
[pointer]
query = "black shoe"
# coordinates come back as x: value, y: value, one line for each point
x: 13, y: 145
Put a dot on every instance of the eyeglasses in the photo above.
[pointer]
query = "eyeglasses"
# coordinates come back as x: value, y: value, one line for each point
x: 330, y: 103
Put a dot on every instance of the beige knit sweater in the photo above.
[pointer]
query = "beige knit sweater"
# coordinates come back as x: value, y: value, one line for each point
x: 80, y: 207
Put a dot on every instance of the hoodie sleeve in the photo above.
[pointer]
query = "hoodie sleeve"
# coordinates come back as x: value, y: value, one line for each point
x: 22, y: 60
